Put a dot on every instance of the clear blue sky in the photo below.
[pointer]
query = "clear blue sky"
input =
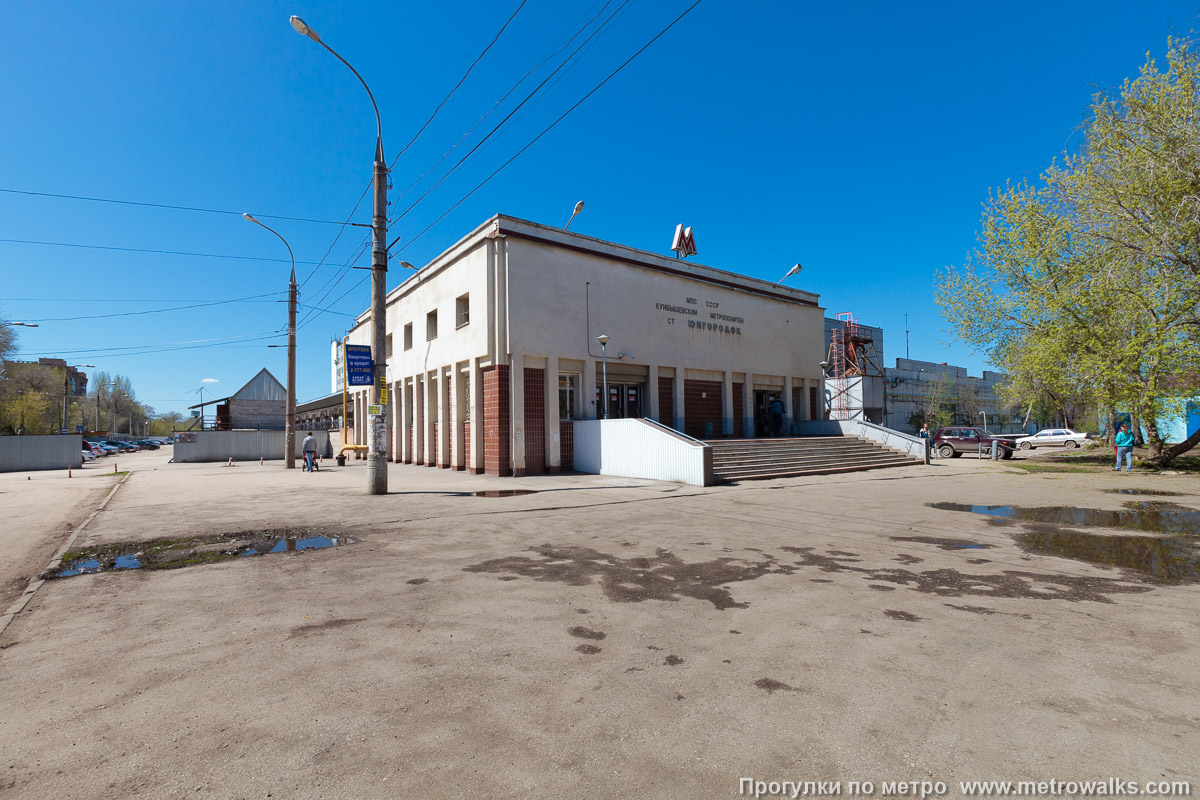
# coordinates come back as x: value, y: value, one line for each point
x: 859, y: 139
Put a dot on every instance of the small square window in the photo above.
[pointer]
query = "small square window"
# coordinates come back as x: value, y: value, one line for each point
x: 408, y: 336
x: 431, y: 326
x: 388, y: 346
x: 462, y: 311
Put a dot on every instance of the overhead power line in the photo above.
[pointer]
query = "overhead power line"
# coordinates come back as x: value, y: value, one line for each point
x: 163, y: 205
x: 549, y: 127
x: 478, y: 58
x: 156, y: 252
x: 159, y: 310
x: 166, y: 347
x: 510, y: 114
x: 505, y: 96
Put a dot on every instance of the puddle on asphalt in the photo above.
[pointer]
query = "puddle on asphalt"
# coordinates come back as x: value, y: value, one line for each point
x: 1051, y: 531
x: 175, y: 553
x: 1146, y: 492
x: 1146, y: 516
x: 505, y: 492
x: 1169, y: 560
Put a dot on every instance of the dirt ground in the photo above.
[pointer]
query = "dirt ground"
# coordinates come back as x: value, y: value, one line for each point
x: 602, y: 637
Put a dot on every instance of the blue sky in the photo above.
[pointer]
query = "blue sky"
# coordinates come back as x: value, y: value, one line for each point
x: 858, y: 139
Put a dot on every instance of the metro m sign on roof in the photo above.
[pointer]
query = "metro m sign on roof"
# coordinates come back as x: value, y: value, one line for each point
x: 684, y: 244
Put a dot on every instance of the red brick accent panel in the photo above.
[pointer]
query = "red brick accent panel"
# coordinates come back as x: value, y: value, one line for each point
x: 739, y: 411
x: 496, y: 421
x: 666, y: 401
x: 431, y: 458
x: 701, y: 404
x: 535, y: 421
x: 566, y: 438
x: 467, y: 444
x: 410, y: 446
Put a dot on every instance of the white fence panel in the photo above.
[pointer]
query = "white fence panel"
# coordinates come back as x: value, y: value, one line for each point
x: 639, y: 448
x: 43, y: 451
x: 202, y: 446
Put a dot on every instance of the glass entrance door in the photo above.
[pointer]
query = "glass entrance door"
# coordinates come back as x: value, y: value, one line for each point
x: 625, y: 400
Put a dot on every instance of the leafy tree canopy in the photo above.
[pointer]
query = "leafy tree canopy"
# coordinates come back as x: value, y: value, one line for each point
x: 1087, y: 282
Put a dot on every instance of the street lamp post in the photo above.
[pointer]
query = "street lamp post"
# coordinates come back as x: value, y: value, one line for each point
x: 603, y: 340
x: 379, y: 430
x: 289, y: 445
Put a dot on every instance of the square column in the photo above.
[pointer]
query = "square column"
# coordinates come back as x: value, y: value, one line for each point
x: 418, y: 432
x: 431, y: 418
x: 516, y: 393
x: 476, y: 402
x: 789, y: 412
x: 458, y: 459
x: 588, y: 407
x: 445, y: 434
x: 678, y: 400
x: 748, y: 407
x: 553, y: 435
x: 727, y: 404
x: 652, y: 393
x: 395, y: 410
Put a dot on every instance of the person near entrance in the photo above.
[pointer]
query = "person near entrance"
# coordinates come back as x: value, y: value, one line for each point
x: 776, y: 411
x: 309, y: 449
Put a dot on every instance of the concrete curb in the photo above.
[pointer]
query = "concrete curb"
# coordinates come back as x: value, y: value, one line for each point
x: 36, y: 583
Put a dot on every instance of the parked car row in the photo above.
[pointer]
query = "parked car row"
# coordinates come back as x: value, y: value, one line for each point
x: 94, y: 448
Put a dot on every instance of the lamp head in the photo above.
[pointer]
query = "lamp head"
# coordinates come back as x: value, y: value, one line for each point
x: 250, y: 218
x: 302, y: 28
x: 578, y: 207
x: 407, y: 265
x: 824, y: 365
x: 602, y: 339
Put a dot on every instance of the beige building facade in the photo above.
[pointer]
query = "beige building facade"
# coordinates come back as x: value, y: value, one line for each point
x: 493, y: 349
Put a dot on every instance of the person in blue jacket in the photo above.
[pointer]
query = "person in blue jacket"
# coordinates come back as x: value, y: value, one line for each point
x: 1124, y: 444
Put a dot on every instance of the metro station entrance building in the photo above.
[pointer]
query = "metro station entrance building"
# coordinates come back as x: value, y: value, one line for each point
x: 492, y: 349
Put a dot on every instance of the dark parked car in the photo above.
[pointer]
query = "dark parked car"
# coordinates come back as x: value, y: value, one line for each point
x: 952, y: 442
x: 125, y: 447
x: 146, y: 444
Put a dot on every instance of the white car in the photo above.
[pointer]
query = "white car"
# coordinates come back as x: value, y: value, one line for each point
x: 1052, y: 437
x: 88, y: 455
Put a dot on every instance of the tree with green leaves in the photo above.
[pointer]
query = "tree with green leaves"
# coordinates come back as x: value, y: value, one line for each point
x: 1087, y: 282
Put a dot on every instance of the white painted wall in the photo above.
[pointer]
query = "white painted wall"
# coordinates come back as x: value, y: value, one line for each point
x: 637, y: 448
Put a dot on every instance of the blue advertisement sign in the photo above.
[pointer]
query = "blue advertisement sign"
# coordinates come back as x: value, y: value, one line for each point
x: 358, y: 365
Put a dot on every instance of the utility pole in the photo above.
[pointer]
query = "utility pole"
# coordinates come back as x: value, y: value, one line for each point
x: 906, y: 337
x: 289, y: 444
x: 377, y: 453
x: 378, y: 428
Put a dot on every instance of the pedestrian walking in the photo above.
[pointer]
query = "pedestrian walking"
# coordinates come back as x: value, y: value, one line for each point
x: 776, y: 410
x: 1124, y: 444
x: 309, y: 449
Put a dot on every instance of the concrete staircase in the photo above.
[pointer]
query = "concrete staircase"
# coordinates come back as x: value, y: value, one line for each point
x: 749, y: 459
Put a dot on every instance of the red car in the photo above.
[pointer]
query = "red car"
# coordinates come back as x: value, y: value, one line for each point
x: 955, y: 440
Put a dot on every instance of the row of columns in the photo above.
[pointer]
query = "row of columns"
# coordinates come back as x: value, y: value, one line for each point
x: 438, y: 400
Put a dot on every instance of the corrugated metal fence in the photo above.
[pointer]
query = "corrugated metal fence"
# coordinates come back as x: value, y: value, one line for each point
x: 201, y: 446
x: 22, y: 453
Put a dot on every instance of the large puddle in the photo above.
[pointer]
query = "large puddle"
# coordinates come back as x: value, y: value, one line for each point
x: 1149, y: 516
x: 1174, y: 558
x: 176, y: 553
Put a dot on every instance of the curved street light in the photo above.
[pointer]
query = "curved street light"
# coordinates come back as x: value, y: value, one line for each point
x: 378, y: 434
x: 289, y: 444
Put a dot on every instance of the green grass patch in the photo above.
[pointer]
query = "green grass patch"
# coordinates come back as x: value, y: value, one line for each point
x: 108, y: 474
